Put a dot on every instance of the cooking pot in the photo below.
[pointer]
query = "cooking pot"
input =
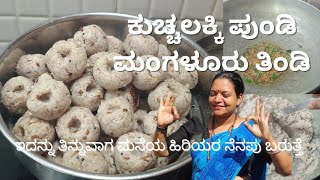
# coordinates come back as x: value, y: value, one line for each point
x: 39, y: 40
x: 306, y: 39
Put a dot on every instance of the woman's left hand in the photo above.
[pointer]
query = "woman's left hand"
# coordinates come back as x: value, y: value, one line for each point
x: 260, y: 127
x: 315, y: 104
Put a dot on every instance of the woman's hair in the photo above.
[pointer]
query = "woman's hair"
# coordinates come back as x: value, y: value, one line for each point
x: 234, y: 78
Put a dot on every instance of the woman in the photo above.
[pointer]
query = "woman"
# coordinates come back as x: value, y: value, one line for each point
x: 226, y: 94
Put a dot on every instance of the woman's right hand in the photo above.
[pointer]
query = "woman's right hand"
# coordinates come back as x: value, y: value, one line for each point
x: 260, y: 128
x: 167, y: 112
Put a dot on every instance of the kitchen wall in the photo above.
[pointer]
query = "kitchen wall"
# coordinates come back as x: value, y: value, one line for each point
x: 18, y: 16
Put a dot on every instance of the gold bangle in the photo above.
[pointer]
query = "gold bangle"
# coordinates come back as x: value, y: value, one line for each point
x: 274, y: 152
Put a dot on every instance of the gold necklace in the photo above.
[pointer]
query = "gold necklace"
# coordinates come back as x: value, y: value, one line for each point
x: 212, y: 133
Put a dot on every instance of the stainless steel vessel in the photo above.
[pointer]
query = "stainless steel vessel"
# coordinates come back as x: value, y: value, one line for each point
x: 39, y: 40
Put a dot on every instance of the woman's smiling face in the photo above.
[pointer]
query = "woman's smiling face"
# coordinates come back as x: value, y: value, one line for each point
x: 223, y: 99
